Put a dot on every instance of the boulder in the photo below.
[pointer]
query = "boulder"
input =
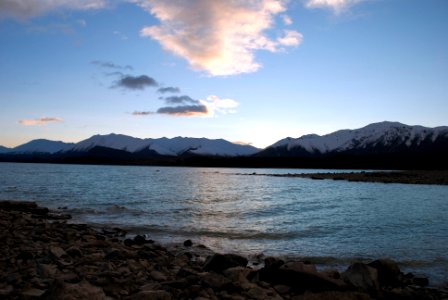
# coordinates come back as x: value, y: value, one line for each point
x: 221, y: 262
x: 82, y: 290
x: 362, y: 277
x: 388, y: 272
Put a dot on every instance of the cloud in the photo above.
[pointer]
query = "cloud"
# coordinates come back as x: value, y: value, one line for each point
x: 291, y: 38
x: 190, y: 107
x: 287, y: 20
x: 23, y: 9
x: 216, y: 104
x: 40, y: 122
x: 184, y: 110
x: 338, y: 6
x: 82, y: 22
x: 121, y: 35
x: 179, y: 100
x: 168, y: 89
x: 135, y: 82
x: 218, y: 37
x: 142, y: 113
x: 110, y: 65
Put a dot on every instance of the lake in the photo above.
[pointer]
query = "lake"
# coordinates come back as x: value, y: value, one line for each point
x: 331, y: 223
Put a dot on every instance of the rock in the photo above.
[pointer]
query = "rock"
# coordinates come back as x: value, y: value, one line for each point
x: 221, y: 262
x: 388, y: 272
x: 299, y: 266
x: 82, y: 290
x: 128, y: 242
x: 33, y: 293
x: 334, y: 295
x: 158, y: 276
x: 215, y: 281
x: 74, y: 252
x: 188, y: 243
x: 420, y: 281
x: 363, y: 277
x: 58, y: 252
x: 152, y: 295
x: 273, y: 262
x: 58, y: 216
x: 6, y: 290
x: 300, y: 277
x: 139, y: 240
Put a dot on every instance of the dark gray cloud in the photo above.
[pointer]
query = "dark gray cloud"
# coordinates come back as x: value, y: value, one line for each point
x: 142, y: 113
x: 184, y: 110
x: 111, y: 65
x: 136, y: 82
x: 169, y: 89
x: 180, y: 100
x: 179, y: 111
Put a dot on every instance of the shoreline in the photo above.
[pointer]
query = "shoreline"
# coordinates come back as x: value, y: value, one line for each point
x: 404, y: 177
x: 45, y: 257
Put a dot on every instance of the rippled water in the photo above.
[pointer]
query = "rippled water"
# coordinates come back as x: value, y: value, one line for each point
x: 328, y: 222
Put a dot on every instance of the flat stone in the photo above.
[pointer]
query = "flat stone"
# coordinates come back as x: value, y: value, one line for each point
x: 33, y: 293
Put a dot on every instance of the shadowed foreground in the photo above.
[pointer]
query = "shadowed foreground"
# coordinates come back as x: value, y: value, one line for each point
x: 43, y: 256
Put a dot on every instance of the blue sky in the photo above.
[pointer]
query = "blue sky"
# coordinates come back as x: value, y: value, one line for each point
x: 251, y: 71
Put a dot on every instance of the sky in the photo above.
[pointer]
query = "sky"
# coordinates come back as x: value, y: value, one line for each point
x: 252, y: 71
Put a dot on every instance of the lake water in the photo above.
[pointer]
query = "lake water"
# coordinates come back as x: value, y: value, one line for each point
x: 332, y: 223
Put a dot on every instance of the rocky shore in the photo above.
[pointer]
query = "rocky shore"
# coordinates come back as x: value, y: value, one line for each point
x: 43, y: 256
x: 408, y: 177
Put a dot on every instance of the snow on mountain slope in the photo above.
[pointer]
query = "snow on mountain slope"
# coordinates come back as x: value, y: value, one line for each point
x: 164, y: 146
x: 42, y: 146
x: 376, y: 134
x: 200, y: 146
x: 114, y: 141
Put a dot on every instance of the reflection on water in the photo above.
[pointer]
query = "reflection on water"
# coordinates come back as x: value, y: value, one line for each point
x: 334, y: 221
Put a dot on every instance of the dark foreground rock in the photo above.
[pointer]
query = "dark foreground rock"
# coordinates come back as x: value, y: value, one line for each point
x: 44, y: 258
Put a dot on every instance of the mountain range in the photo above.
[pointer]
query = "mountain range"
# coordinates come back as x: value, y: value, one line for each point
x: 384, y: 144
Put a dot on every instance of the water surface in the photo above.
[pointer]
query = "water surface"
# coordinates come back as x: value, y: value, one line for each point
x: 330, y: 222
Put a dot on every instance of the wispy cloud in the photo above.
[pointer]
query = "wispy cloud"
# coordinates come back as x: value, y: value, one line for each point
x: 23, y: 9
x: 121, y: 35
x: 290, y: 38
x: 218, y: 37
x: 169, y: 89
x: 111, y: 65
x: 338, y: 6
x: 40, y: 121
x: 135, y: 82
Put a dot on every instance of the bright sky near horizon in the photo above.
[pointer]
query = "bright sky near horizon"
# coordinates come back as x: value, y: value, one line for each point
x: 252, y: 71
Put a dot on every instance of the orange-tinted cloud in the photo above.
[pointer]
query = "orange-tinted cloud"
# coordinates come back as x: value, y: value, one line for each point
x: 40, y: 121
x: 218, y: 37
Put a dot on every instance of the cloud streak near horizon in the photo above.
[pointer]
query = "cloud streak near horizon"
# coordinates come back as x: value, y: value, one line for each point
x: 40, y: 121
x: 218, y: 37
x: 135, y: 82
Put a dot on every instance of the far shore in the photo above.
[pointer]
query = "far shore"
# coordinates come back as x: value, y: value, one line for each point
x: 45, y: 257
x: 406, y: 177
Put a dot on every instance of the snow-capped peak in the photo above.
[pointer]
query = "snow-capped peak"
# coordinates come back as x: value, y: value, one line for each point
x: 114, y: 141
x: 376, y: 134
